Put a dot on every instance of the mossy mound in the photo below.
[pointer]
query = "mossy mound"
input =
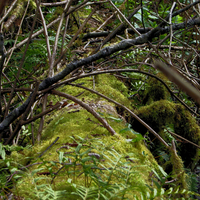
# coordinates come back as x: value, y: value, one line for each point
x: 92, y: 157
x: 80, y: 127
x: 155, y: 115
x: 155, y: 90
x: 165, y: 113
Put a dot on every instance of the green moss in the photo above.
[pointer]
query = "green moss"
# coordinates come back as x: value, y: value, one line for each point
x: 160, y: 114
x: 156, y: 115
x: 20, y: 6
x: 155, y: 90
x: 111, y: 88
x: 186, y: 126
x: 75, y: 124
x: 19, y: 10
x: 179, y: 173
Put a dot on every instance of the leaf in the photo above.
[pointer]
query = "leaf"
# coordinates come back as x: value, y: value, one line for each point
x: 36, y: 170
x: 124, y: 130
x: 138, y: 15
x: 115, y: 119
x: 3, y: 154
x: 138, y: 138
x: 86, y: 159
x: 38, y: 179
x: 162, y: 171
x: 86, y: 152
x: 78, y: 148
x: 156, y: 174
x: 61, y: 154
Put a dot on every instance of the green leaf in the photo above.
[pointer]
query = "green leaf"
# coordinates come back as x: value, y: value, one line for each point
x: 138, y: 138
x: 124, y: 130
x: 36, y: 170
x: 162, y: 171
x: 86, y: 159
x: 115, y: 119
x: 61, y: 154
x: 86, y: 152
x: 138, y: 15
x: 38, y: 179
x: 78, y: 148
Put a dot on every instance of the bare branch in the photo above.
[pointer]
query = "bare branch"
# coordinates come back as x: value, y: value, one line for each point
x: 88, y: 108
x: 128, y: 110
x: 105, y: 52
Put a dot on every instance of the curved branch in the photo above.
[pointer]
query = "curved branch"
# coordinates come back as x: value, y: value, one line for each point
x: 119, y: 70
x: 128, y: 110
x: 105, y: 52
x: 88, y: 108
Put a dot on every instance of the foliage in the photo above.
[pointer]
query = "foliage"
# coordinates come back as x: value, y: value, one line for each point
x: 105, y: 175
x: 87, y: 162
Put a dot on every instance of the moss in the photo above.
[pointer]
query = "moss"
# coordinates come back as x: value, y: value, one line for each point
x: 164, y: 113
x: 155, y: 90
x: 19, y: 10
x: 155, y: 115
x: 33, y: 4
x: 75, y: 124
x: 20, y: 6
x: 108, y: 88
x: 186, y: 126
x: 113, y: 88
x: 179, y: 173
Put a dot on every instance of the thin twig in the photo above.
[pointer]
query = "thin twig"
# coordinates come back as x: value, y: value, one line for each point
x: 54, y: 4
x: 64, y: 34
x: 128, y: 110
x: 45, y: 30
x: 48, y: 147
x: 9, y: 10
x: 51, y: 71
x: 182, y: 138
x: 120, y: 13
x: 88, y: 108
x: 171, y: 31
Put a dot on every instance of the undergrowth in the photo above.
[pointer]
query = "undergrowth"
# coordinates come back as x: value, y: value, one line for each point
x: 89, y: 169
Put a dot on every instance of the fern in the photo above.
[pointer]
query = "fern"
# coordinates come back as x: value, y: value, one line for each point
x: 48, y: 193
x: 86, y: 193
x: 108, y: 180
x: 170, y: 194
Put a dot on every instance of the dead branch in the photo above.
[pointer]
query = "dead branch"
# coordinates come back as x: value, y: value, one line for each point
x: 88, y: 108
x: 105, y: 52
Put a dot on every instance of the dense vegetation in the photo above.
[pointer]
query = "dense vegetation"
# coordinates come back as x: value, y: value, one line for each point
x: 99, y: 99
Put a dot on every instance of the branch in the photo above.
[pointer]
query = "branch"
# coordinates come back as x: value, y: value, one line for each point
x: 105, y: 52
x: 54, y: 4
x: 88, y: 108
x: 174, y: 76
x: 119, y: 70
x: 128, y: 110
x: 182, y: 138
x: 1, y: 67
